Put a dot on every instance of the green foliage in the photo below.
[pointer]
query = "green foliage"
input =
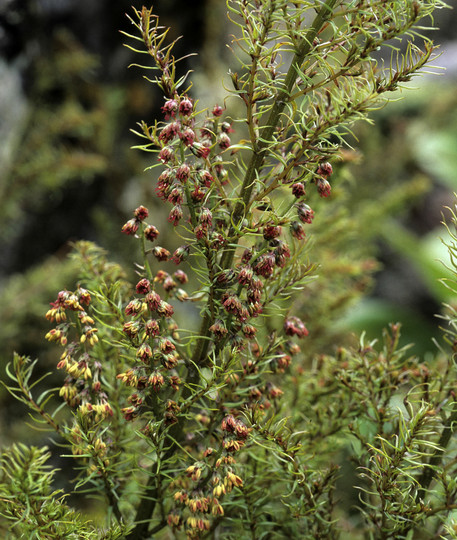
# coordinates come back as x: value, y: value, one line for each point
x: 33, y: 508
x: 62, y: 141
x: 189, y: 407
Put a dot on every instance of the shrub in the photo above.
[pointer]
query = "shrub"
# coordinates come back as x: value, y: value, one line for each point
x: 208, y: 400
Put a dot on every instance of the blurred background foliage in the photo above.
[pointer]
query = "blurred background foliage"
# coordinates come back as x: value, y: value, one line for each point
x: 67, y: 103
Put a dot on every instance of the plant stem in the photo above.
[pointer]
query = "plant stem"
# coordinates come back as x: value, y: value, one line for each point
x: 259, y: 155
x: 429, y: 472
x: 149, y: 498
x: 281, y: 99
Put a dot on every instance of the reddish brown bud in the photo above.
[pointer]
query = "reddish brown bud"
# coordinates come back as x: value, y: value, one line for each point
x: 152, y: 328
x: 245, y: 275
x: 183, y: 173
x: 160, y: 253
x: 202, y: 150
x: 297, y: 230
x: 181, y: 277
x: 304, y: 212
x: 153, y: 300
x: 247, y: 256
x: 165, y: 309
x: 156, y: 380
x: 293, y: 326
x: 170, y: 107
x: 131, y: 227
x: 166, y: 154
x: 134, y: 307
x: 175, y: 196
x: 169, y: 132
x: 201, y: 231
x: 186, y: 107
x: 187, y: 136
x: 151, y: 233
x: 141, y: 213
x: 131, y: 328
x: 175, y: 215
x: 169, y: 284
x: 143, y: 286
x: 205, y: 217
x: 174, y: 381
x: 180, y: 254
x: 248, y: 330
x: 223, y: 141
x: 298, y: 190
x: 273, y: 391
x: 205, y: 178
x: 281, y: 253
x: 232, y: 303
x: 144, y: 352
x: 226, y: 127
x: 271, y: 231
x: 218, y: 329
x: 229, y: 424
x: 217, y: 110
x: 325, y: 169
x: 264, y: 265
x: 323, y: 187
x: 197, y: 195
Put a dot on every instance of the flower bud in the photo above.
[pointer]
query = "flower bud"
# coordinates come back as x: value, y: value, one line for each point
x: 202, y: 150
x: 181, y: 276
x: 325, y: 169
x: 180, y: 254
x: 323, y: 187
x: 217, y: 110
x: 144, y: 352
x: 187, y: 136
x: 223, y: 141
x: 170, y: 107
x: 153, y: 300
x: 169, y: 132
x: 131, y: 227
x: 175, y: 215
x: 151, y: 233
x: 297, y: 230
x: 293, y: 326
x: 186, y: 107
x: 304, y: 212
x: 298, y: 190
x: 218, y: 329
x: 176, y: 195
x: 141, y: 213
x: 143, y: 286
x: 160, y: 253
x: 271, y: 231
x: 152, y: 328
x: 166, y: 154
x: 264, y: 265
x: 183, y: 173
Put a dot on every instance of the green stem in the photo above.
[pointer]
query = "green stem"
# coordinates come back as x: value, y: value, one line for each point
x: 150, y: 496
x: 144, y: 253
x: 429, y: 472
x: 281, y: 99
x: 259, y: 154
